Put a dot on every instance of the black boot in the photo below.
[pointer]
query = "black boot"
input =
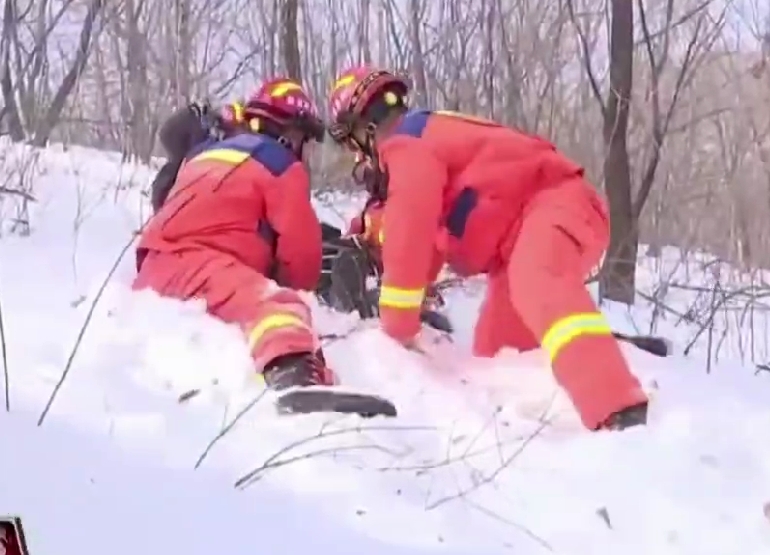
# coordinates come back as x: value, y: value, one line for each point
x: 635, y: 415
x: 297, y: 370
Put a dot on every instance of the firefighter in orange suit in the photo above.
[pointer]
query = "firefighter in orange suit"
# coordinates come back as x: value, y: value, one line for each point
x: 238, y: 230
x: 490, y: 200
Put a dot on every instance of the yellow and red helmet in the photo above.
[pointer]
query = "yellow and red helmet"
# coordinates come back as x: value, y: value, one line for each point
x: 281, y: 101
x: 353, y: 92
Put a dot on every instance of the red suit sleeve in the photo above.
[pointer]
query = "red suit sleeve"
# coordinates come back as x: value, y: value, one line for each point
x: 410, y: 225
x: 437, y: 263
x: 291, y: 214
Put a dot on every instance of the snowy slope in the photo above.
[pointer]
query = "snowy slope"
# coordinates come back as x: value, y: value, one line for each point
x: 467, y: 468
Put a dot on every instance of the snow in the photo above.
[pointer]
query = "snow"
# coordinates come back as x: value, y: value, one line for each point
x: 486, y: 457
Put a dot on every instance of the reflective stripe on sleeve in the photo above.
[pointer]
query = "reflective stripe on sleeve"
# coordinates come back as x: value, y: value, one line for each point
x: 398, y: 297
x: 569, y: 328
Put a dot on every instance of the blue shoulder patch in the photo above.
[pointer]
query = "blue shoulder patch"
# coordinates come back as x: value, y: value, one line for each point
x: 265, y: 150
x: 413, y: 123
x: 275, y: 157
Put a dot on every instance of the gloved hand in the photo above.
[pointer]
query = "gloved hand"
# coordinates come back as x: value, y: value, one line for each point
x: 430, y: 314
x: 436, y: 320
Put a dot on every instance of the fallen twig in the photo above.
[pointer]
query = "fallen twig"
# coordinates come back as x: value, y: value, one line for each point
x: 226, y: 429
x: 82, y: 332
x: 4, y: 349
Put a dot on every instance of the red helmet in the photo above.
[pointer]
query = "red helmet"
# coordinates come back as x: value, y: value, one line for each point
x: 352, y: 93
x: 281, y: 101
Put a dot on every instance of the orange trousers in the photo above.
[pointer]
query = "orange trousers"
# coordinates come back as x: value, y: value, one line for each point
x: 274, y: 320
x: 538, y: 299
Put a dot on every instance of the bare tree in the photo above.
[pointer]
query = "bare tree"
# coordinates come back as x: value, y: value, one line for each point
x: 618, y: 275
x: 290, y: 39
x: 44, y: 127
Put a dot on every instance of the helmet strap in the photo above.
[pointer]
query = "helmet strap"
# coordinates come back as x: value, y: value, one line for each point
x: 376, y: 180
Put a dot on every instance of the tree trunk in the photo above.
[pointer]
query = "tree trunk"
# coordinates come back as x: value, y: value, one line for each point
x: 418, y: 62
x: 618, y: 276
x: 140, y: 143
x: 53, y: 114
x: 9, y: 115
x: 290, y: 40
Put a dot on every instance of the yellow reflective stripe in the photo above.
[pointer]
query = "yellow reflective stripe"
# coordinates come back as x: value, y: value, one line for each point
x: 273, y: 322
x: 283, y: 88
x: 342, y: 82
x: 397, y: 297
x: 237, y: 111
x: 225, y: 155
x: 565, y: 330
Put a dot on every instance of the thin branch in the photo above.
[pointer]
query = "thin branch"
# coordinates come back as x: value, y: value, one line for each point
x: 82, y: 331
x: 4, y: 348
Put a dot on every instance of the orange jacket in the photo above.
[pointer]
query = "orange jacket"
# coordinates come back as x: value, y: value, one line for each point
x: 249, y: 197
x: 457, y: 188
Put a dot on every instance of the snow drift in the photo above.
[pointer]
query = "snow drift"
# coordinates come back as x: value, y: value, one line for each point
x: 486, y: 456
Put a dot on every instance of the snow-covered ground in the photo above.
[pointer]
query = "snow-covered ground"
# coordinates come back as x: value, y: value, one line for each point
x: 471, y: 466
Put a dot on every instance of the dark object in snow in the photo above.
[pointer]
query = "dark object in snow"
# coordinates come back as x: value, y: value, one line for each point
x: 437, y: 321
x: 344, y: 270
x: 343, y: 284
x: 658, y: 346
x: 604, y: 514
x: 187, y: 395
x: 305, y: 400
x: 635, y: 415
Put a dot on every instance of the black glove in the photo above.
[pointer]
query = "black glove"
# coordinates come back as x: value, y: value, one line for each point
x: 436, y: 320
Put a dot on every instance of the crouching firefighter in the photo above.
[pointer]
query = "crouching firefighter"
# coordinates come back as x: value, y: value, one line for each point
x: 490, y: 201
x: 238, y: 230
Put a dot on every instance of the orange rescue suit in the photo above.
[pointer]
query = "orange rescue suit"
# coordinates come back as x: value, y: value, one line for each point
x: 238, y: 230
x: 491, y: 200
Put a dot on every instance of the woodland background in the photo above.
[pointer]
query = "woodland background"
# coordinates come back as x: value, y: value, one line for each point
x: 666, y: 103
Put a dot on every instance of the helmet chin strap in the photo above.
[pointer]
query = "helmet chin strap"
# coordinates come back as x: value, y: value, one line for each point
x: 368, y: 146
x: 378, y: 185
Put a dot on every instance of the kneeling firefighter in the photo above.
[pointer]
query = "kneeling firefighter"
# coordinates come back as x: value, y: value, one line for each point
x: 238, y: 230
